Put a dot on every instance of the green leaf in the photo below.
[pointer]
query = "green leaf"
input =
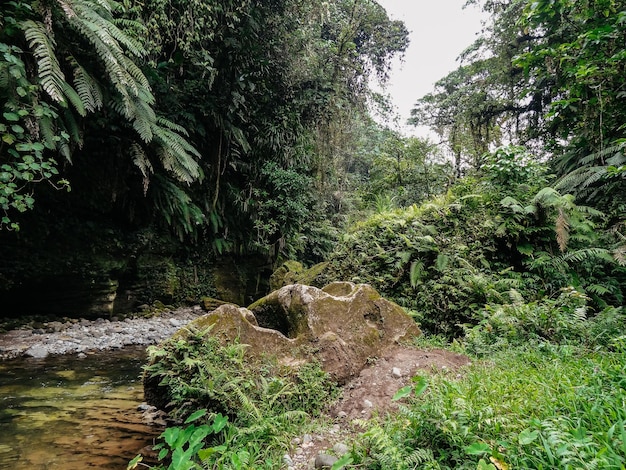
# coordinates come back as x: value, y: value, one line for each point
x: 342, y: 462
x: 163, y: 453
x: 402, y: 393
x: 11, y: 117
x: 181, y: 460
x: 483, y: 465
x: 527, y: 436
x: 205, y: 454
x: 417, y: 270
x: 219, y: 422
x: 133, y: 463
x: 194, y: 416
x: 171, y: 435
x: 421, y: 384
x: 478, y: 448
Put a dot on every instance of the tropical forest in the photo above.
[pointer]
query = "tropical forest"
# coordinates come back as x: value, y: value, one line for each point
x: 159, y: 155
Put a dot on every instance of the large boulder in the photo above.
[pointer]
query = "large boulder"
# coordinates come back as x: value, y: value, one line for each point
x: 343, y: 326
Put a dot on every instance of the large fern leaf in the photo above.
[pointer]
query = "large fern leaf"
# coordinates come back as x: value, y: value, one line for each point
x: 87, y: 88
x: 49, y: 70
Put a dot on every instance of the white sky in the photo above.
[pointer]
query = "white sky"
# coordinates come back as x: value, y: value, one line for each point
x: 439, y: 31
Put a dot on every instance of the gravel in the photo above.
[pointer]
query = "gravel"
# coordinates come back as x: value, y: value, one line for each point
x: 80, y: 336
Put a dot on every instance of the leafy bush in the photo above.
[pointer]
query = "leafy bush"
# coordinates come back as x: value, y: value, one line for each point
x: 449, y: 257
x: 199, y: 372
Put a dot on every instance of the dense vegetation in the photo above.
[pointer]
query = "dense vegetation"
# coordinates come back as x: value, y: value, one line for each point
x: 145, y: 141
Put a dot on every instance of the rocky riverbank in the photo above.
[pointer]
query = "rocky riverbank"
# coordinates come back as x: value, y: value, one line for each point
x: 82, y: 336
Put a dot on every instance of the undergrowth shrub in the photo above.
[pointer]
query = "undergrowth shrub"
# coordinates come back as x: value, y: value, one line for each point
x: 197, y: 371
x: 252, y: 407
x: 564, y: 320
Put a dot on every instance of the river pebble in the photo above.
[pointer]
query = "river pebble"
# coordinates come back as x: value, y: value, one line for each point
x: 73, y: 337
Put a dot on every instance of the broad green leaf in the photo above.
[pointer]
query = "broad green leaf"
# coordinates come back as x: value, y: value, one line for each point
x: 342, y: 462
x: 196, y: 415
x: 483, y: 465
x: 181, y: 460
x: 478, y: 448
x: 11, y: 117
x: 171, y: 435
x: 527, y: 436
x: 205, y: 454
x: 219, y: 422
x: 421, y: 384
x: 402, y: 393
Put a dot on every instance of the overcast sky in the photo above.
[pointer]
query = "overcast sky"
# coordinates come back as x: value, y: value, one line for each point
x: 439, y: 31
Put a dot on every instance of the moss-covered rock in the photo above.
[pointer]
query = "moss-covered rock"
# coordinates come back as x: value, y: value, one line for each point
x: 293, y: 272
x: 340, y: 327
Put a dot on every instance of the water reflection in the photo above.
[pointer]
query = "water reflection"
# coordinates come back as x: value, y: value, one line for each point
x: 64, y: 413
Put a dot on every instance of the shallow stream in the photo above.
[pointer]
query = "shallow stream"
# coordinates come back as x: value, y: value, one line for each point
x: 66, y: 413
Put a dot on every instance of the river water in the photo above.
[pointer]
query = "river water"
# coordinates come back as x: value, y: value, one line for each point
x: 65, y: 413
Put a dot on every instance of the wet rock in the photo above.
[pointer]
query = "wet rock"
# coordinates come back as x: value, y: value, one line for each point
x: 341, y: 449
x: 37, y: 351
x: 78, y: 336
x: 325, y: 461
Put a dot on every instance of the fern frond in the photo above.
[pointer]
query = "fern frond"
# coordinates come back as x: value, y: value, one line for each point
x: 141, y: 161
x: 86, y: 87
x: 49, y: 70
x: 562, y: 230
x: 512, y: 204
x: 4, y: 75
x: 586, y: 254
x: 74, y: 98
x: 135, y: 72
x: 177, y: 155
x: 72, y: 128
x: 619, y: 254
x: 416, y: 272
x: 442, y: 262
x: 247, y: 405
x: 546, y: 196
x: 161, y: 121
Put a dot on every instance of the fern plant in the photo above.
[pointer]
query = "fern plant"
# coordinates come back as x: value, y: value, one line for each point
x: 60, y: 62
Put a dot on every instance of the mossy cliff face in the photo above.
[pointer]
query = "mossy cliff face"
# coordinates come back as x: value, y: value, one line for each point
x: 340, y: 326
x: 99, y: 272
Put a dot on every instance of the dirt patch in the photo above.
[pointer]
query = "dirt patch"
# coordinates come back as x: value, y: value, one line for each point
x: 370, y: 394
x: 372, y: 391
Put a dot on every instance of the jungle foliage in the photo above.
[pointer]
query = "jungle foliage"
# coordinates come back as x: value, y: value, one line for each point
x: 187, y: 113
x: 499, y: 230
x: 513, y: 253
